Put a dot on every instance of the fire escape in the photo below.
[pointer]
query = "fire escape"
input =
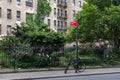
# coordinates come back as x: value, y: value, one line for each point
x: 62, y: 16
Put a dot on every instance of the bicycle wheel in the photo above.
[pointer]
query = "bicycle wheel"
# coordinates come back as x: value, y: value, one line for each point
x: 81, y: 67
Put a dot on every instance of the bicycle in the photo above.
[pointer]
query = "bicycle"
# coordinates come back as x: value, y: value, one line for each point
x: 78, y: 68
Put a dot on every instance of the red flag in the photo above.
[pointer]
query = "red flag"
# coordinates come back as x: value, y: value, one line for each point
x: 74, y: 24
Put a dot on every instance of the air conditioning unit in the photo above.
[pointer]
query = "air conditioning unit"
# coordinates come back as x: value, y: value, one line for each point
x: 18, y: 3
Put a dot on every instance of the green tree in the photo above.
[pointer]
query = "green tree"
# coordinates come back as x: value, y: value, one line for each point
x: 110, y: 21
x: 36, y: 33
x: 99, y: 22
x: 70, y: 36
x: 43, y: 9
x: 46, y: 42
x: 101, y: 4
x: 116, y: 2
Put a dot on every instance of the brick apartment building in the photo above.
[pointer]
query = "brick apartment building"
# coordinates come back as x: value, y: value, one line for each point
x: 15, y: 11
x: 63, y: 12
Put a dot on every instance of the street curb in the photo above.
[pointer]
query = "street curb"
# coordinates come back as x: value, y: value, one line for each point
x: 25, y: 71
x: 67, y: 76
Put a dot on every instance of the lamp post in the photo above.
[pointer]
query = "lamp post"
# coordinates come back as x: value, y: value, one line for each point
x: 75, y: 24
x: 76, y: 50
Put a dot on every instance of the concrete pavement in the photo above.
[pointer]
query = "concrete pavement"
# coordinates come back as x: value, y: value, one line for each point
x: 60, y: 73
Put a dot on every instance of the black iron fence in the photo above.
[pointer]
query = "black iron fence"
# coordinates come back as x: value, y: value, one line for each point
x: 25, y: 57
x: 29, y: 57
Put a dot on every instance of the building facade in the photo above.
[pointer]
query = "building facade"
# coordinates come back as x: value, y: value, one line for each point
x: 14, y: 12
x: 63, y: 12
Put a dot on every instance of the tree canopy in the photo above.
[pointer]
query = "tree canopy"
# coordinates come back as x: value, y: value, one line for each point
x: 34, y: 32
x: 99, y: 19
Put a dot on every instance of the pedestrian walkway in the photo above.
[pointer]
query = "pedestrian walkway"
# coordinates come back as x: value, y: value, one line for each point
x: 60, y: 73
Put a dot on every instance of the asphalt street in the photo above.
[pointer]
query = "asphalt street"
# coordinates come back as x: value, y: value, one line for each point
x: 60, y: 75
x: 88, y: 77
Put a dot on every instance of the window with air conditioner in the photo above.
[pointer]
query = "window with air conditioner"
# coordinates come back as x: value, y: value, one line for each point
x: 73, y: 1
x: 29, y: 3
x: 18, y: 2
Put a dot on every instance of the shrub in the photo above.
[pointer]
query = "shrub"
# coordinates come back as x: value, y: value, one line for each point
x: 29, y: 61
x: 41, y: 61
x: 54, y: 59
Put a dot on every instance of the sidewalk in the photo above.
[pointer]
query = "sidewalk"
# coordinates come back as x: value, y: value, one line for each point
x: 60, y: 73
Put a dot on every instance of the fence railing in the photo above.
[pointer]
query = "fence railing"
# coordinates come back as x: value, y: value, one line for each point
x: 29, y: 57
x: 26, y: 57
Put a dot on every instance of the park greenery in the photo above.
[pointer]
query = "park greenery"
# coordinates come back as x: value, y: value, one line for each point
x: 32, y: 42
x: 98, y: 22
x: 99, y: 19
x: 34, y: 45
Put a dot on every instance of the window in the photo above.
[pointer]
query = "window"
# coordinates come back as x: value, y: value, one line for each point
x: 61, y: 12
x: 0, y: 29
x: 58, y: 23
x: 79, y: 4
x: 42, y: 19
x: 61, y: 24
x: 65, y: 13
x: 0, y: 11
x: 73, y: 2
x: 30, y: 0
x: 9, y: 0
x: 66, y: 24
x: 18, y: 2
x: 8, y: 29
x: 55, y: 24
x: 48, y: 0
x: 29, y: 3
x: 9, y: 14
x: 18, y: 15
x: 48, y: 22
x: 29, y: 16
x: 73, y: 13
x: 55, y: 11
x: 58, y: 12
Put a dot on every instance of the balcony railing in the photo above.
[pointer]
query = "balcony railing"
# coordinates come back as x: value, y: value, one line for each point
x: 64, y: 4
x: 30, y: 4
x: 59, y: 3
x: 64, y: 16
x: 62, y: 30
x: 59, y: 15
